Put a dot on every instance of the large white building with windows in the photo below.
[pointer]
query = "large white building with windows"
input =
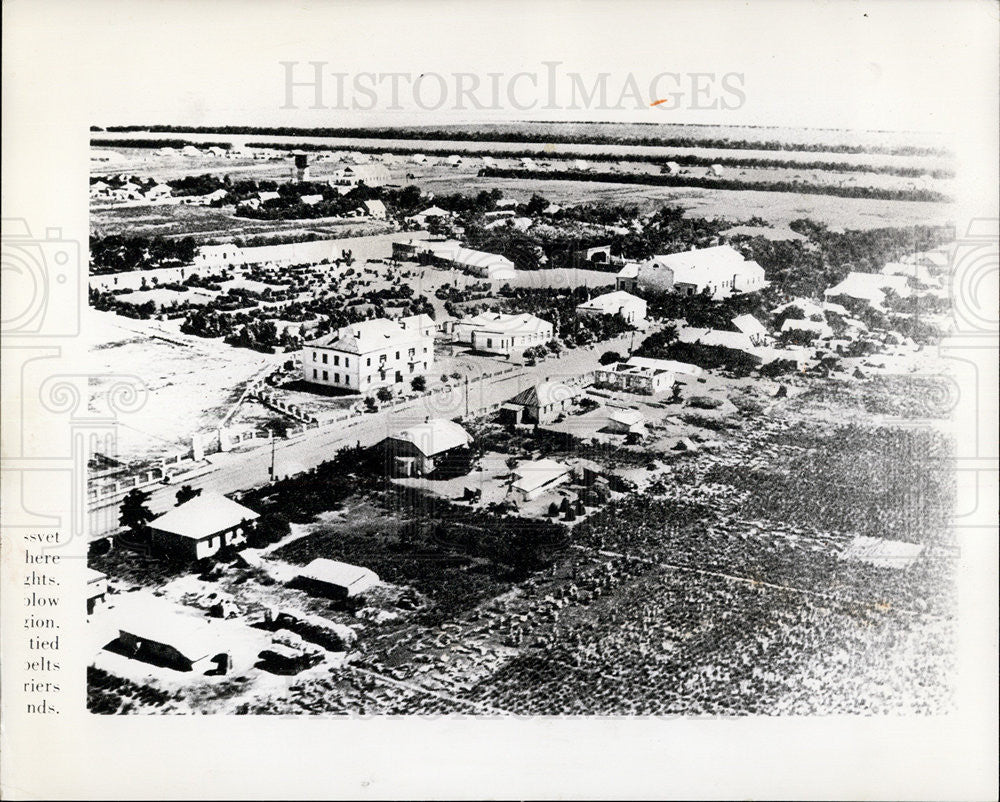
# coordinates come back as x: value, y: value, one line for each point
x: 375, y: 353
x: 720, y: 271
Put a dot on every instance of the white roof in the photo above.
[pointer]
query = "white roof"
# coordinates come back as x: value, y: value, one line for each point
x: 374, y: 206
x: 532, y: 475
x: 611, y: 302
x: 666, y: 364
x: 435, y: 436
x: 203, y: 516
x: 818, y: 326
x: 750, y: 326
x: 153, y: 618
x: 869, y: 286
x: 343, y: 575
x: 500, y: 323
x: 377, y: 334
x: 628, y: 417
x: 715, y: 337
x: 881, y: 552
x: 430, y: 211
x: 699, y: 265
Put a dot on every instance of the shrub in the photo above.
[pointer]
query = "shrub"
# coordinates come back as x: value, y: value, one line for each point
x: 704, y: 402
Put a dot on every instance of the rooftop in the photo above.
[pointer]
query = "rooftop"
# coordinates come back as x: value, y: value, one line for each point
x: 435, y: 436
x: 203, y: 516
x: 344, y: 575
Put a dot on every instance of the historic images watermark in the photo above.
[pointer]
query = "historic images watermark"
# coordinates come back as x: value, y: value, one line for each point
x: 320, y: 85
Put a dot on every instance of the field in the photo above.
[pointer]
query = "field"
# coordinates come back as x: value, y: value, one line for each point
x: 719, y: 589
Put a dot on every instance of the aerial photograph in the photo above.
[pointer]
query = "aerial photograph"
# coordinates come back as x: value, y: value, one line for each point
x: 521, y: 419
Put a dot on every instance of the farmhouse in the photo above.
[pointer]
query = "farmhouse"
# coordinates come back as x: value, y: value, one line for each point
x: 531, y: 479
x: 374, y: 209
x: 541, y: 403
x: 374, y: 353
x: 628, y: 307
x: 337, y: 579
x: 499, y: 333
x: 424, y: 218
x: 200, y: 527
x: 97, y: 588
x: 869, y: 287
x: 720, y: 271
x: 418, y: 450
x: 160, y: 632
x: 371, y: 175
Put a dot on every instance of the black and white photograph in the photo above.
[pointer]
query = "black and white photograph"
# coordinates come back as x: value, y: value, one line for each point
x: 498, y: 364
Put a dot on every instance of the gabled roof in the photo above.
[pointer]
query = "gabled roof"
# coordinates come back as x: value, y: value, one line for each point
x: 155, y: 619
x: 203, y: 516
x: 435, y: 436
x: 532, y: 475
x: 628, y: 417
x: 373, y: 335
x: 611, y: 302
x: 545, y: 393
x: 749, y: 325
x: 353, y: 578
x: 499, y: 323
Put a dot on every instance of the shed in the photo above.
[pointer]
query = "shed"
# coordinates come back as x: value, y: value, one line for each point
x: 337, y: 579
x: 531, y: 479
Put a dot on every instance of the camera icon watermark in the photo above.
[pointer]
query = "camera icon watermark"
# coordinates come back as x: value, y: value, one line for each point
x: 41, y: 282
x: 973, y: 271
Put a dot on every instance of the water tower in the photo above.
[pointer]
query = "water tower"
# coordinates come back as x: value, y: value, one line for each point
x: 300, y: 166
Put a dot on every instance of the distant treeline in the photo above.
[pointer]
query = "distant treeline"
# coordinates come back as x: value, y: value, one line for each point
x: 800, y: 188
x: 682, y: 160
x: 156, y: 143
x: 526, y: 136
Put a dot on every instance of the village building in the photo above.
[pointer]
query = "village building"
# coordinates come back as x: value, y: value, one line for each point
x: 417, y: 451
x: 198, y: 528
x: 643, y: 375
x: 673, y: 168
x: 374, y: 209
x: 869, y: 288
x: 452, y: 254
x: 500, y: 333
x: 311, y: 200
x: 628, y: 307
x: 719, y: 271
x: 622, y: 420
x: 541, y: 403
x: 815, y: 328
x: 752, y: 328
x: 717, y: 338
x: 97, y: 588
x: 352, y: 175
x: 156, y: 631
x: 290, y: 253
x: 374, y: 353
x: 337, y: 579
x: 532, y: 479
x: 429, y: 215
x: 596, y: 258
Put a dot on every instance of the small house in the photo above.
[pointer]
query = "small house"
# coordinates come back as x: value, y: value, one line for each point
x: 418, y: 450
x: 156, y: 631
x: 541, y: 403
x: 200, y: 527
x: 625, y: 421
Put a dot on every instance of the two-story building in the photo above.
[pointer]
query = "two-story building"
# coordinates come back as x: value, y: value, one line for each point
x: 374, y: 353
